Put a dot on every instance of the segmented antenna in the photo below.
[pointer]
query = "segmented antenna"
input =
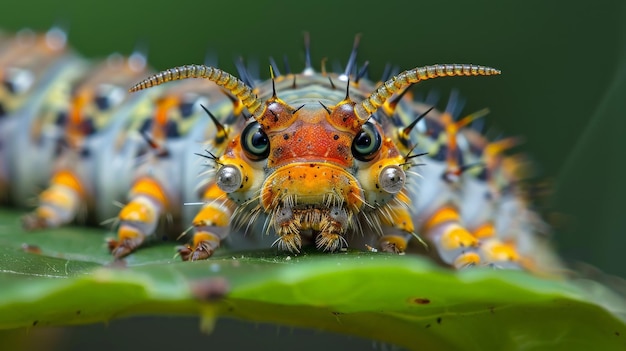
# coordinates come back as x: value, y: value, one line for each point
x: 226, y: 80
x: 367, y: 107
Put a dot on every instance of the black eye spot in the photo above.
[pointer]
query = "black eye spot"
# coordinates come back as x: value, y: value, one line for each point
x: 10, y: 87
x: 147, y: 124
x: 186, y: 109
x: 85, y: 153
x: 483, y: 175
x: 441, y: 153
x: 171, y: 130
x: 255, y: 142
x: 87, y: 126
x: 103, y: 102
x: 366, y: 143
x: 433, y: 128
x: 61, y: 118
x: 108, y: 96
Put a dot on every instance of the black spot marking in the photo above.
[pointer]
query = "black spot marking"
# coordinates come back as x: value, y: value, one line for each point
x: 35, y: 323
x: 85, y: 153
x: 285, y: 136
x: 336, y: 137
x: 171, y: 129
x: 421, y: 301
x: 439, y: 320
x: 427, y: 326
x: 186, y: 109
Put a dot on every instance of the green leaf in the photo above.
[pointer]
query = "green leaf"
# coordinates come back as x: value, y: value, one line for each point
x: 61, y: 277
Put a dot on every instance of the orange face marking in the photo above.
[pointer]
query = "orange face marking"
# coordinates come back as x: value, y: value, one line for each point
x: 310, y: 183
x: 307, y: 141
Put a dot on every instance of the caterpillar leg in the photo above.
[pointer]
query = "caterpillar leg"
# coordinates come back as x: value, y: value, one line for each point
x: 139, y: 219
x: 58, y: 204
x: 500, y: 254
x: 399, y: 218
x: 455, y: 244
x: 210, y: 225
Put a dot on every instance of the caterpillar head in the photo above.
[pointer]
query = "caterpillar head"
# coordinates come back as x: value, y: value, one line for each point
x: 313, y: 164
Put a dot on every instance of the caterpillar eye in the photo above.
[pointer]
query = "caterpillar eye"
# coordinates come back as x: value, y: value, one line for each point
x: 367, y: 143
x: 108, y: 96
x: 255, y: 142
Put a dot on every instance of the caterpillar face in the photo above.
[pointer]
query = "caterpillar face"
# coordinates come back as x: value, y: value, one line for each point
x: 328, y: 159
x: 313, y: 169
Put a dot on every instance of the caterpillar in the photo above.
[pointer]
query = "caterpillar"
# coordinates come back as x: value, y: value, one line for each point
x: 327, y: 159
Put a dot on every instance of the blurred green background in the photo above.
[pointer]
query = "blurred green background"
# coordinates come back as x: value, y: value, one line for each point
x: 563, y: 86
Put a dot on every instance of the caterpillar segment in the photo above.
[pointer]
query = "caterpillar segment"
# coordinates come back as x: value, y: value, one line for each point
x: 95, y: 113
x: 480, y: 199
x: 313, y: 160
x: 172, y: 128
x: 36, y: 71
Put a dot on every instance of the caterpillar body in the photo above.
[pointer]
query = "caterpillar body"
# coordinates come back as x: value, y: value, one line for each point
x: 328, y: 159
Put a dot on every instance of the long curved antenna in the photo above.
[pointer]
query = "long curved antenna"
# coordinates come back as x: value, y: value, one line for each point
x: 367, y: 107
x: 224, y: 79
